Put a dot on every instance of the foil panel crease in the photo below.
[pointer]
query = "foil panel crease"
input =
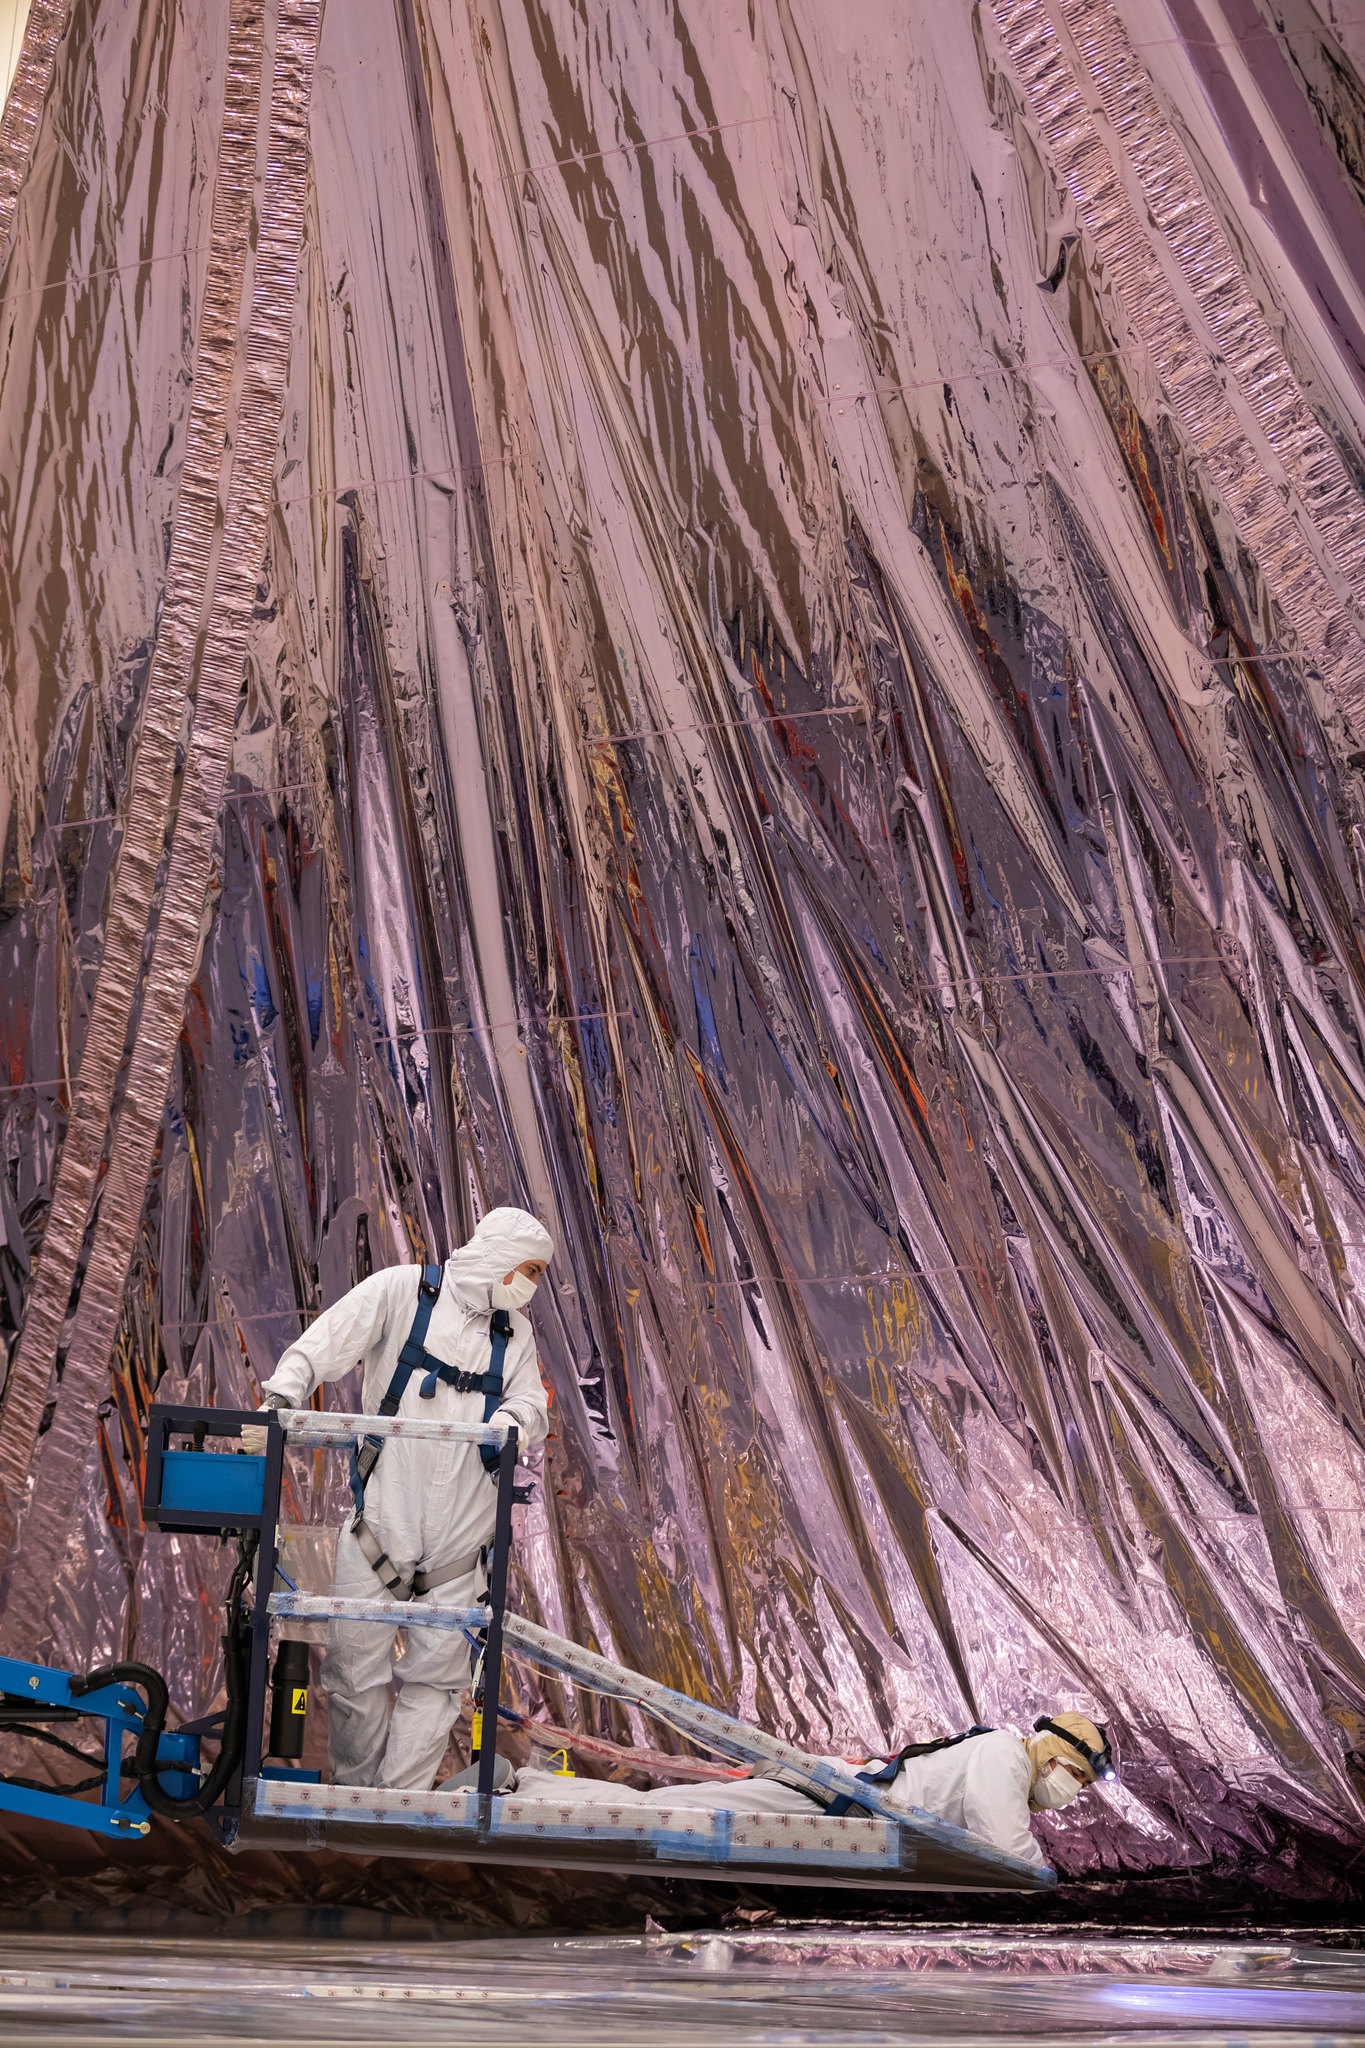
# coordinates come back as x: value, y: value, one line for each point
x: 736, y: 692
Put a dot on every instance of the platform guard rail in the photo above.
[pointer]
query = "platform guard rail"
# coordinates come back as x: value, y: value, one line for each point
x: 197, y: 1484
x: 193, y: 1490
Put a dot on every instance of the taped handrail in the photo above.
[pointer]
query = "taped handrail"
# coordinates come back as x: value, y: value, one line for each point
x: 396, y: 1613
x: 720, y: 1731
x: 306, y: 1425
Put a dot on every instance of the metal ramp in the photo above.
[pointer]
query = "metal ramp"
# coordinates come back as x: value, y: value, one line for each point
x: 666, y: 1842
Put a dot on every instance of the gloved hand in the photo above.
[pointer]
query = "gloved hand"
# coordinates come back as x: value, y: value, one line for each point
x: 255, y: 1434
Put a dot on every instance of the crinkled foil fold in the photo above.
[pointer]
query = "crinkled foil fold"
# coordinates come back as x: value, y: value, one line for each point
x: 236, y: 574
x: 161, y: 725
x: 1194, y: 372
x: 717, y: 657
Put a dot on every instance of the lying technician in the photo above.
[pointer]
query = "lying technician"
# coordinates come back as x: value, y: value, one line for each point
x: 990, y: 1781
x: 987, y: 1781
x: 449, y: 1344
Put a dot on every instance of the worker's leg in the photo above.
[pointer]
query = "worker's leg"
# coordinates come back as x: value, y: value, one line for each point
x: 356, y: 1674
x: 737, y: 1795
x: 740, y: 1795
x: 433, y: 1673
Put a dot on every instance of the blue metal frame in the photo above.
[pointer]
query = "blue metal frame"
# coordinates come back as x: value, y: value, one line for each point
x: 189, y: 1492
x: 195, y: 1491
x: 121, y: 1710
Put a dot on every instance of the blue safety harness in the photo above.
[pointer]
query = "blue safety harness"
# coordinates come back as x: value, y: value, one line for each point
x: 845, y: 1802
x: 414, y: 1357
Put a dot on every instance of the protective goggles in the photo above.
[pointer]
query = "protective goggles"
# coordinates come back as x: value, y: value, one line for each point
x: 1101, y: 1761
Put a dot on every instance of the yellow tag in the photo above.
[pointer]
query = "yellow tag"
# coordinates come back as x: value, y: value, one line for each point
x: 300, y: 1705
x: 559, y: 1764
x: 476, y: 1729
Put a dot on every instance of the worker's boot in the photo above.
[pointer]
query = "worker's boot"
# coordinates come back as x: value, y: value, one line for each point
x: 504, y: 1778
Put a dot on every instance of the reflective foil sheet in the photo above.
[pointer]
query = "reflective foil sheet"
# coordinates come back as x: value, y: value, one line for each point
x: 812, y: 1984
x: 767, y: 670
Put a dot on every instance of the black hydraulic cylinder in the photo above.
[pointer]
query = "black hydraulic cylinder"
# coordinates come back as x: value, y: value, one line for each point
x: 289, y: 1700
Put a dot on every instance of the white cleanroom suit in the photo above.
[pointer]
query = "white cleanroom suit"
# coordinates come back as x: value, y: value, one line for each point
x: 986, y: 1784
x: 428, y: 1504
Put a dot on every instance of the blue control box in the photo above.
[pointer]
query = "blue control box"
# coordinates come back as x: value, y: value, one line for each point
x: 212, y: 1483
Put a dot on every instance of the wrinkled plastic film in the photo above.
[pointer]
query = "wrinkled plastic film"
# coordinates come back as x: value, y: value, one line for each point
x: 255, y: 433
x: 24, y: 103
x: 764, y: 739
x: 1222, y: 290
x: 738, y: 1981
x: 160, y: 730
x: 1190, y: 376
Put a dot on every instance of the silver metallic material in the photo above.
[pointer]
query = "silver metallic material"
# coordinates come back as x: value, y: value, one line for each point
x: 765, y: 697
x: 307, y: 1426
x: 160, y: 728
x: 747, y: 1985
x: 43, y: 32
x: 1324, y: 512
x: 569, y: 1832
x: 256, y: 418
x: 701, y: 1724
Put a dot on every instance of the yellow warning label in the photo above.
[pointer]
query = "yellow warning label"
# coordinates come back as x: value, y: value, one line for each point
x: 300, y: 1700
x: 476, y: 1729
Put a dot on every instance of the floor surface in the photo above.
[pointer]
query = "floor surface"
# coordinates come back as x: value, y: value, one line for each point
x: 806, y: 1985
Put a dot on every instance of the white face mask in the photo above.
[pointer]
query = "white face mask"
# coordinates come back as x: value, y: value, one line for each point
x: 1054, y: 1789
x: 515, y: 1294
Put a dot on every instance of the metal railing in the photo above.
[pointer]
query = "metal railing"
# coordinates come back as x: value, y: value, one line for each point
x: 207, y: 1493
x: 194, y: 1491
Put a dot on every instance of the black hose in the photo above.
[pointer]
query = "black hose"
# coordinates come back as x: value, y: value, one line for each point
x: 154, y: 1722
x: 236, y: 1670
x: 82, y: 1756
x: 64, y: 1791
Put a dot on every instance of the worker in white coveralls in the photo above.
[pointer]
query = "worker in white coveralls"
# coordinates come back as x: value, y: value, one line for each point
x: 424, y: 1510
x: 987, y: 1781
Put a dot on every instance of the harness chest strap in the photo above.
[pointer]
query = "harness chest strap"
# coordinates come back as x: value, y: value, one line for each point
x: 414, y: 1357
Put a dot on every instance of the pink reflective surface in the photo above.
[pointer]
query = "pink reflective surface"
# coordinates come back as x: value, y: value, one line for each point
x: 781, y: 731
x: 805, y: 1984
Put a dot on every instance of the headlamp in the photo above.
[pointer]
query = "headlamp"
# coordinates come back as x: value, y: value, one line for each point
x: 1101, y: 1760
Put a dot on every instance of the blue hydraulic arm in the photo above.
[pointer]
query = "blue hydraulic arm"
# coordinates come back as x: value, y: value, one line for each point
x: 191, y: 1489
x: 34, y: 1699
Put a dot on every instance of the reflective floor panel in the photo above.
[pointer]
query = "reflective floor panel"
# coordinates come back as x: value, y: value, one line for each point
x: 787, y: 1985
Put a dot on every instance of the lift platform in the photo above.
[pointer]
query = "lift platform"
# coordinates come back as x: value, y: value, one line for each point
x: 197, y: 1482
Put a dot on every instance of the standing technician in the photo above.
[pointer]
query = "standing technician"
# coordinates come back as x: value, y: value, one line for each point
x: 451, y: 1344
